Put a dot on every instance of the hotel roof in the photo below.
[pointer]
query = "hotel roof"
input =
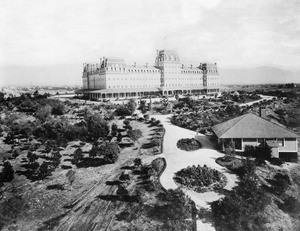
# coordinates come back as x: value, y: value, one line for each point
x: 251, y: 126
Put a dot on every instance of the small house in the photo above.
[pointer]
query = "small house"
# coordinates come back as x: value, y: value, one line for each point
x: 251, y: 129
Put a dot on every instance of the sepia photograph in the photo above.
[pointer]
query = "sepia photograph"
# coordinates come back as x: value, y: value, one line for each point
x: 139, y: 115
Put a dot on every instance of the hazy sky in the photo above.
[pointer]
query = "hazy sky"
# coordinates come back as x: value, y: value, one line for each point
x: 48, y: 35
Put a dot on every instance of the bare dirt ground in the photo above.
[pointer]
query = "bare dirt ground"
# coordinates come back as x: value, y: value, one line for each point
x: 82, y: 205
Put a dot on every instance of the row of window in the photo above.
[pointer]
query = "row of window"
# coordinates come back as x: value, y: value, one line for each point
x: 181, y: 85
x: 132, y: 86
x: 143, y: 70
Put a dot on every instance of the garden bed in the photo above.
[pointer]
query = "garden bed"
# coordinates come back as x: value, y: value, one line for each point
x: 188, y: 144
x: 200, y: 179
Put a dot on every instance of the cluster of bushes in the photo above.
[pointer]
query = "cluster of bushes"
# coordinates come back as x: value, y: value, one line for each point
x: 173, y: 209
x: 100, y: 153
x: 200, y: 179
x: 242, y: 208
x: 91, y: 128
x: 261, y: 154
x: 126, y: 110
x: 205, y: 119
x: 188, y: 144
x: 35, y: 103
x: 7, y: 173
x: 36, y: 171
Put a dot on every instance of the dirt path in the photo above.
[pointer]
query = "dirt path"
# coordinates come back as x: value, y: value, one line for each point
x: 178, y: 159
x: 90, y: 212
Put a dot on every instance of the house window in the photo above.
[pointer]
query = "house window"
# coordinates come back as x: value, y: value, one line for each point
x: 280, y: 142
x: 260, y: 142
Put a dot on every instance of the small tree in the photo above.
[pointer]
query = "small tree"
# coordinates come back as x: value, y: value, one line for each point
x: 135, y: 134
x: 126, y: 124
x: 44, y: 170
x: 78, y: 155
x: 110, y: 151
x: 131, y: 105
x: 119, y: 137
x: 114, y: 129
x: 94, y: 151
x: 230, y: 148
x: 146, y: 117
x: 7, y: 174
x: 122, y: 191
x: 71, y: 176
x: 137, y: 162
x: 31, y: 157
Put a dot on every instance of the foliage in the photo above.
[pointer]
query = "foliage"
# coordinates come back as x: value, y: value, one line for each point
x: 280, y: 183
x: 97, y: 127
x: 258, y: 152
x: 31, y: 157
x: 45, y: 170
x: 137, y: 162
x: 276, y: 161
x: 43, y: 113
x: 241, y: 208
x: 114, y: 129
x: 78, y: 155
x: 188, y: 144
x: 71, y: 176
x: 119, y: 137
x: 230, y: 148
x: 143, y: 106
x: 135, y: 134
x: 131, y: 105
x: 200, y: 179
x: 176, y: 206
x: 7, y: 173
x: 110, y: 151
x: 122, y: 191
x: 122, y: 111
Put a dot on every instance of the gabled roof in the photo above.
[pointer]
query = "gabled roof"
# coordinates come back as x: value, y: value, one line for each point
x: 251, y: 126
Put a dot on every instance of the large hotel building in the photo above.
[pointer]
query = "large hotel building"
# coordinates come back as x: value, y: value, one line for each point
x: 112, y: 78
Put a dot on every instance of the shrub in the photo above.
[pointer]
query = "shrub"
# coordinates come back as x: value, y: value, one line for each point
x: 240, y: 208
x: 122, y: 191
x: 188, y: 144
x: 280, y: 183
x: 78, y: 155
x: 176, y: 206
x: 122, y: 111
x: 258, y: 152
x: 135, y: 134
x: 276, y: 161
x: 137, y: 162
x: 44, y: 170
x: 7, y: 173
x: 119, y: 137
x: 71, y: 175
x: 110, y: 151
x: 124, y: 177
x: 58, y: 108
x: 200, y: 179
x: 31, y: 157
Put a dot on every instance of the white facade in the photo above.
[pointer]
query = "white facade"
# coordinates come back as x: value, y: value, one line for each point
x: 167, y: 77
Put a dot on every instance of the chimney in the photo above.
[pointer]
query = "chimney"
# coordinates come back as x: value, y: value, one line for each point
x: 146, y: 64
x: 134, y: 64
x: 182, y: 66
x: 191, y: 66
x: 263, y: 112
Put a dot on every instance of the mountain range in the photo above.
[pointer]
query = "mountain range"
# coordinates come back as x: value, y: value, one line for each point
x: 258, y: 75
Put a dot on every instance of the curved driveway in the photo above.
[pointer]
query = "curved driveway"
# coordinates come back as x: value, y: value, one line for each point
x: 178, y: 159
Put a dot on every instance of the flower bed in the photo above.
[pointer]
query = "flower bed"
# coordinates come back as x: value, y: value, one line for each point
x: 200, y: 179
x: 188, y: 144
